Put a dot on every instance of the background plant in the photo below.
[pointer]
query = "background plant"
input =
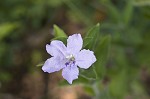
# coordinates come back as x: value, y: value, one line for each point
x: 123, y: 67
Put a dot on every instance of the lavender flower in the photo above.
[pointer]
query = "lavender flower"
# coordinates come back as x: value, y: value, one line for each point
x: 68, y: 58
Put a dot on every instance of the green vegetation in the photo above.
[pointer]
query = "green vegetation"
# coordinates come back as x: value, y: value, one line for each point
x: 121, y: 42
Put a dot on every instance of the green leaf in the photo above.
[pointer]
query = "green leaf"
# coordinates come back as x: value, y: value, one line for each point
x: 141, y: 3
x: 7, y: 28
x: 59, y: 32
x: 86, y: 41
x: 80, y: 80
x: 89, y: 73
x: 63, y: 39
x: 40, y: 64
x: 91, y: 37
x: 128, y: 11
x: 101, y: 53
x: 93, y: 30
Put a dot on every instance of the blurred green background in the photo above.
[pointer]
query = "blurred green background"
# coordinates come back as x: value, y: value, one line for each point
x: 26, y: 26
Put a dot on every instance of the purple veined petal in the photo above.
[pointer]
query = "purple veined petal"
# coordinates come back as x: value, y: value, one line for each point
x: 53, y: 64
x: 56, y: 48
x: 70, y: 73
x: 74, y: 43
x: 85, y: 58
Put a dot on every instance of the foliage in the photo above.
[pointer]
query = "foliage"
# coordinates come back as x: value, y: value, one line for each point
x: 120, y: 42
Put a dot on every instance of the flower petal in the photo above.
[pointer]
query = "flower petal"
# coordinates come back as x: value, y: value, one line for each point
x: 70, y: 73
x: 53, y: 64
x: 85, y: 58
x: 56, y: 48
x: 74, y: 43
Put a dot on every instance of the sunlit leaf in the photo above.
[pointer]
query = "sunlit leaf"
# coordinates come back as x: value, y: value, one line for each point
x: 40, y: 64
x: 59, y: 32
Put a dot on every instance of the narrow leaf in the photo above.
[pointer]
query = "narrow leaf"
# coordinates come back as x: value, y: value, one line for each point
x: 93, y: 34
x: 86, y: 41
x: 128, y: 12
x: 59, y: 32
x: 40, y: 64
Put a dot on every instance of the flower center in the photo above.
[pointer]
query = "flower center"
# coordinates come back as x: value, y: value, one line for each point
x: 70, y: 60
x: 70, y: 57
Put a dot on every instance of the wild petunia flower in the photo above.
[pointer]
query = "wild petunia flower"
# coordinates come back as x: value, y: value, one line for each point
x: 68, y: 58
